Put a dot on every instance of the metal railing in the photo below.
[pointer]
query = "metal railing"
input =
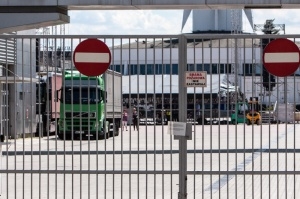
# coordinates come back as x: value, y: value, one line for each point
x: 42, y: 158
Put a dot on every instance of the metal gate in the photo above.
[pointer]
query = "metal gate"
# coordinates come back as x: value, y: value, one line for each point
x: 66, y: 136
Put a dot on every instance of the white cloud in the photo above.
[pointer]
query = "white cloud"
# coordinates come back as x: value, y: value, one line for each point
x: 147, y: 22
x: 126, y: 22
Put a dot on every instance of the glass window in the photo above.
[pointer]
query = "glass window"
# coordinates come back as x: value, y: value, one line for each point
x: 207, y: 68
x: 81, y: 82
x: 82, y: 95
x: 150, y: 70
x: 142, y: 69
x: 214, y: 69
x: 175, y: 69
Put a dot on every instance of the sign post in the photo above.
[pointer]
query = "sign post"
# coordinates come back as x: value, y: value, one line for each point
x: 281, y: 57
x: 92, y: 57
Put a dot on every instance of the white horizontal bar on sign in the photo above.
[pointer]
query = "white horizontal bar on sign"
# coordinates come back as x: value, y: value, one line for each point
x: 85, y: 57
x: 289, y: 57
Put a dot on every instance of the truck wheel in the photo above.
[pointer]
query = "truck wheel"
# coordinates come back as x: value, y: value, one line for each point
x: 233, y: 122
x: 114, y: 130
x: 258, y: 122
x: 117, y: 132
x: 61, y: 136
x: 248, y: 122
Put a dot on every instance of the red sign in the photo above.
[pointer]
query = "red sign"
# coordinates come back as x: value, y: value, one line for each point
x: 92, y: 57
x: 281, y: 57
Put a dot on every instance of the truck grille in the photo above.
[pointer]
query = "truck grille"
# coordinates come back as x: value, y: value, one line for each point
x: 80, y: 114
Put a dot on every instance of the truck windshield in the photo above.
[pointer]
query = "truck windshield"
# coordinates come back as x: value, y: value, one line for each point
x: 82, y: 95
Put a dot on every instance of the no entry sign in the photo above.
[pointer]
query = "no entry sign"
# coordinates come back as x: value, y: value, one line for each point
x: 92, y: 57
x: 281, y: 57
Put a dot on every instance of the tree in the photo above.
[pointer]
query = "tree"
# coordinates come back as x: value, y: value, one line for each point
x: 269, y: 29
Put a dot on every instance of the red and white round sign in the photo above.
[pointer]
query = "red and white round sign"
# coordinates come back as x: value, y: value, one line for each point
x: 281, y: 57
x: 92, y: 57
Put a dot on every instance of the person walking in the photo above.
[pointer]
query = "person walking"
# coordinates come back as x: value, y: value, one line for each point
x: 124, y: 120
x: 135, y: 119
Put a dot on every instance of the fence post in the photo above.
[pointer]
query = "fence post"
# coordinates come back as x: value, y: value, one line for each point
x: 182, y: 102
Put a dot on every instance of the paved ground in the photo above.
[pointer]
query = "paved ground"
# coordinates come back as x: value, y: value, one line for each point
x: 144, y: 164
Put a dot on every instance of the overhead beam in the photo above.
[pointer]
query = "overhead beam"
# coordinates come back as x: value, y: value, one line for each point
x: 21, y: 15
x: 153, y: 4
x: 11, y: 22
x: 33, y: 9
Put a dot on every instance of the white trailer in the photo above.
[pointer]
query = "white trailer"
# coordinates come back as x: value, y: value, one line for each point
x: 113, y: 83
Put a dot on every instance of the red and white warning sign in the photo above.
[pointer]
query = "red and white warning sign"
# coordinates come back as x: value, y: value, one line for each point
x: 281, y: 57
x: 92, y: 57
x: 196, y: 79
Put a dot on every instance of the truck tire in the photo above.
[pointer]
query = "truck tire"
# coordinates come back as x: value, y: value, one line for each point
x: 61, y: 136
x: 114, y: 131
x: 199, y: 121
x: 104, y: 136
x: 258, y: 122
x: 233, y: 122
x: 248, y: 122
x: 117, y: 130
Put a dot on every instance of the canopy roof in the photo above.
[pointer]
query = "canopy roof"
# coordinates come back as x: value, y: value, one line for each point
x: 163, y: 84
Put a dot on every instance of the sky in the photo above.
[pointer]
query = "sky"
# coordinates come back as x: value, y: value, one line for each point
x: 156, y: 22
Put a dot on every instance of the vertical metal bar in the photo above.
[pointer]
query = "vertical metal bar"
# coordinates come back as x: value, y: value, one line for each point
x: 31, y: 114
x: 53, y: 111
x: 203, y: 118
x: 40, y: 129
x: 229, y: 66
x: 7, y: 104
x: 195, y: 115
x: 17, y: 125
x: 138, y: 110
x: 59, y: 97
x: 286, y: 132
x: 22, y: 116
x: 130, y: 135
x: 89, y: 137
x: 219, y: 114
x: 182, y: 101
x: 122, y: 138
x: 114, y: 122
x: 211, y: 113
x: 244, y: 127
x: 146, y: 118
x: 105, y: 139
x: 72, y: 121
x: 171, y: 119
x: 155, y: 110
x: 163, y: 113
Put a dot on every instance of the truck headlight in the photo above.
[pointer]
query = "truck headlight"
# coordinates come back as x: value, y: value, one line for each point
x: 97, y: 124
x: 92, y: 114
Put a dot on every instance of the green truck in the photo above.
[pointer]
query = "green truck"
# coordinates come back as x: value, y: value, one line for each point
x: 90, y: 106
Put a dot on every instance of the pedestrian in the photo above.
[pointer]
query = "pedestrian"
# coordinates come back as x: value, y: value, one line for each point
x: 124, y: 120
x: 135, y: 119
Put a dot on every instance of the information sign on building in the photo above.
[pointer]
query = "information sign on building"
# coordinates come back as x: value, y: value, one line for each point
x: 196, y: 79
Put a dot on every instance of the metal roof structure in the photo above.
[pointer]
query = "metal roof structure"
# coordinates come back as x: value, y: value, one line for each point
x: 166, y: 84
